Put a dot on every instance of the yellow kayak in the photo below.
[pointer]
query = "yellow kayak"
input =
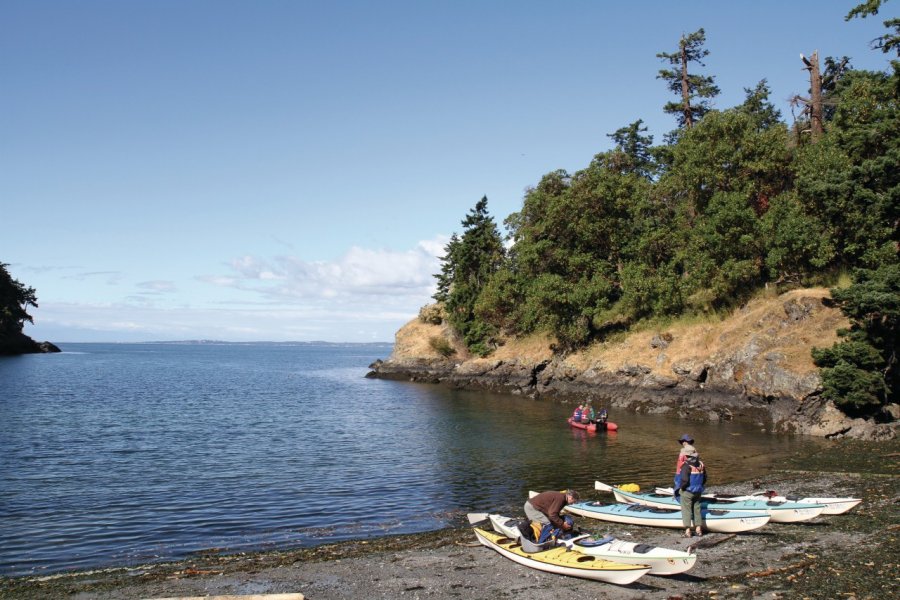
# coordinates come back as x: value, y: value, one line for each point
x: 562, y: 561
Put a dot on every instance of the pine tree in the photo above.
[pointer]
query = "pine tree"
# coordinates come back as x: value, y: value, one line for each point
x: 469, y: 263
x: 694, y: 90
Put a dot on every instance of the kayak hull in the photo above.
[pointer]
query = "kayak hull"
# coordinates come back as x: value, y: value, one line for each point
x: 662, y: 561
x: 833, y: 506
x: 779, y: 512
x: 717, y: 521
x: 562, y: 561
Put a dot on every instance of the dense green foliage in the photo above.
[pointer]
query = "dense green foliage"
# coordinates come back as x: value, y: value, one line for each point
x: 862, y: 370
x: 468, y: 265
x: 732, y: 203
x: 15, y: 299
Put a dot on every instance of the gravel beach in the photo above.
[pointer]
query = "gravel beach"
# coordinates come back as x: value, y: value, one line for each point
x: 855, y: 555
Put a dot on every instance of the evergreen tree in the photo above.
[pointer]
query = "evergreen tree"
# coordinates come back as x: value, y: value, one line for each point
x: 694, y: 90
x: 15, y: 299
x: 887, y: 42
x: 468, y: 265
x: 635, y: 148
x: 861, y: 373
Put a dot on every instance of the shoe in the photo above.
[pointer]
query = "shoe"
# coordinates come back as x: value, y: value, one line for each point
x: 687, y: 532
x: 699, y: 532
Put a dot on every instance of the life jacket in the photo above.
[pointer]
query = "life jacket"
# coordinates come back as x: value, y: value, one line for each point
x: 576, y: 416
x: 552, y: 532
x: 697, y: 477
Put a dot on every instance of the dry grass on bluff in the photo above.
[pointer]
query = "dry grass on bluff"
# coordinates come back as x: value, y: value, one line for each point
x: 791, y: 323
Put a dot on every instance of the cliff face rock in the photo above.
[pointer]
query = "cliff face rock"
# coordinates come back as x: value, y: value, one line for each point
x: 754, y: 367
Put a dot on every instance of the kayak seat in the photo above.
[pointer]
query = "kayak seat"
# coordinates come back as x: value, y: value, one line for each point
x: 652, y: 509
x: 642, y: 548
x: 794, y: 497
x: 717, y: 512
x: 530, y: 547
x: 773, y: 503
x: 595, y: 543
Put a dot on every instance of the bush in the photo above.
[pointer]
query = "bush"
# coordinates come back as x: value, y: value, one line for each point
x: 433, y: 314
x: 441, y: 345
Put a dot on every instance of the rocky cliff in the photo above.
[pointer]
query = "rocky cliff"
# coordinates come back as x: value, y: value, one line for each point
x: 754, y: 366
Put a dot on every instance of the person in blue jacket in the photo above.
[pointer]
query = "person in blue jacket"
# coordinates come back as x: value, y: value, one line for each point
x: 690, y: 482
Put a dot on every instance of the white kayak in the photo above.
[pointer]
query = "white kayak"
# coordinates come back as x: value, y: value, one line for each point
x: 717, y: 521
x: 833, y: 506
x: 557, y: 559
x: 662, y: 561
x: 779, y: 512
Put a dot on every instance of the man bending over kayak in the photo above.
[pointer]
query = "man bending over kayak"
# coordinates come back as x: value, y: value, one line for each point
x: 546, y: 506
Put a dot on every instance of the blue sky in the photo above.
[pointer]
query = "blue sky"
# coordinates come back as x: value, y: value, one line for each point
x: 290, y: 170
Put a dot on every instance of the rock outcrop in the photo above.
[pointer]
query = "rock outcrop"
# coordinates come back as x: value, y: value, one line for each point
x: 22, y: 344
x: 754, y: 367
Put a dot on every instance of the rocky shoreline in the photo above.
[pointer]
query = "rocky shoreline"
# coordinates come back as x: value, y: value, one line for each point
x: 844, y: 556
x: 754, y: 367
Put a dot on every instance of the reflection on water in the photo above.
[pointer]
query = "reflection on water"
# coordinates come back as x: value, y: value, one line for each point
x: 124, y: 453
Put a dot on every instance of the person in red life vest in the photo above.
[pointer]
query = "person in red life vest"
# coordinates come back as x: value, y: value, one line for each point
x: 690, y: 482
x: 687, y: 447
x: 546, y: 506
x: 576, y: 416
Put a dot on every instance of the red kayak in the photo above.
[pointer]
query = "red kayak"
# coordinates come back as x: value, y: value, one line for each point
x: 608, y: 426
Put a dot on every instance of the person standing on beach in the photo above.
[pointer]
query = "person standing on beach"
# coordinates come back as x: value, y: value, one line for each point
x: 546, y: 506
x: 690, y: 482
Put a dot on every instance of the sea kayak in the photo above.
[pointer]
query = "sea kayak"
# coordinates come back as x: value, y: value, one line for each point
x: 662, y: 561
x: 608, y: 426
x: 718, y: 521
x: 558, y: 559
x: 779, y: 512
x: 833, y: 506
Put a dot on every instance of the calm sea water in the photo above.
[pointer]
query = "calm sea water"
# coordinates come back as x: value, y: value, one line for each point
x: 116, y: 454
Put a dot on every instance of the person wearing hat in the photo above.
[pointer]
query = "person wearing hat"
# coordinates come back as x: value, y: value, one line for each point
x: 546, y: 506
x: 687, y: 448
x: 690, y: 482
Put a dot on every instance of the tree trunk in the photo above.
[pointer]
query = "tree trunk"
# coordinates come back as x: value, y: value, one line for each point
x: 685, y: 89
x: 815, y: 99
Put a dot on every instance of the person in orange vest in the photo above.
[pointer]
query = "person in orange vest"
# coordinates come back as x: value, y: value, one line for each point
x: 690, y: 481
x: 687, y: 447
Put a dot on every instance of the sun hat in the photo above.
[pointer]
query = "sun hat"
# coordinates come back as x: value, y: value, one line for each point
x: 686, y: 438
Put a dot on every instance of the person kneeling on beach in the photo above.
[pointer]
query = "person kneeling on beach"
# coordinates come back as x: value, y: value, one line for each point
x: 546, y: 506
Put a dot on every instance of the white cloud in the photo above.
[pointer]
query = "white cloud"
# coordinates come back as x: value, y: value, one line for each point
x: 360, y: 272
x: 364, y: 295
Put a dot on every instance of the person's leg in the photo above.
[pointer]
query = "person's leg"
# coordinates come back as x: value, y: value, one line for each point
x: 534, y: 514
x: 686, y: 498
x: 698, y: 515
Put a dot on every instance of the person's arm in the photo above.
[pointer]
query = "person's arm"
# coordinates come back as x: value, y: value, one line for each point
x: 685, y: 476
x: 553, y: 512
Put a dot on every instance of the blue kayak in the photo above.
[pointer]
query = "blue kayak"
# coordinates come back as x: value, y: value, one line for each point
x: 719, y: 521
x: 779, y: 512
